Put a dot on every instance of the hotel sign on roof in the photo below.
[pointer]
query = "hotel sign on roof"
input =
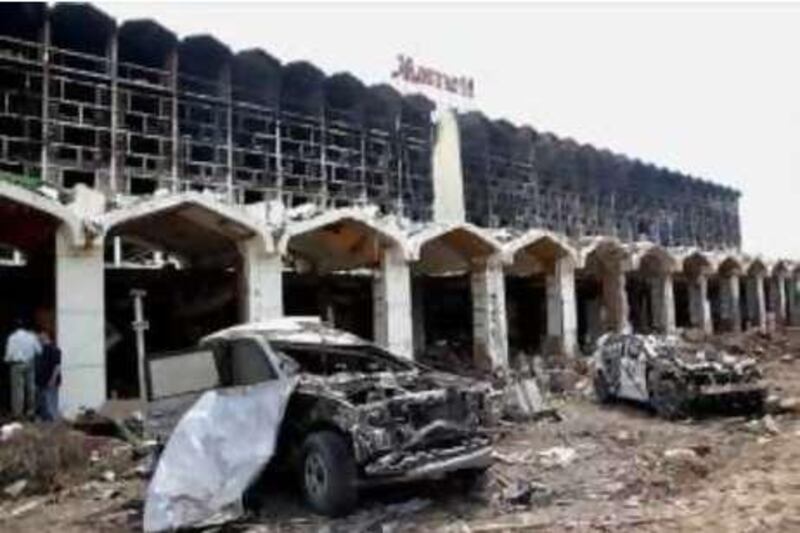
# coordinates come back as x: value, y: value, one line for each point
x: 412, y: 73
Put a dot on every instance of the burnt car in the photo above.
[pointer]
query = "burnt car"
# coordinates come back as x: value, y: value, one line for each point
x: 356, y: 416
x: 673, y: 375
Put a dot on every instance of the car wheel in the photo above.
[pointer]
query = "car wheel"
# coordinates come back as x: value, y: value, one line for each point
x: 473, y: 480
x: 667, y: 397
x: 601, y: 389
x: 328, y: 473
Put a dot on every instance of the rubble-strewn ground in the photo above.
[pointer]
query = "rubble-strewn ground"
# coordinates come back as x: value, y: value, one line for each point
x: 602, y: 468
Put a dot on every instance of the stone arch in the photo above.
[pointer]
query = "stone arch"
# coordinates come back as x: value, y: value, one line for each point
x: 226, y: 271
x: 198, y: 224
x: 51, y: 210
x: 545, y: 246
x: 757, y: 266
x: 444, y: 256
x: 332, y: 251
x: 339, y: 239
x: 541, y: 268
x: 604, y: 249
x: 461, y: 245
x: 729, y: 264
x: 653, y: 256
x: 780, y: 267
x: 696, y: 262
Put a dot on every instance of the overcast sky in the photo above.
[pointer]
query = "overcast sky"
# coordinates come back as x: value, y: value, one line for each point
x: 713, y: 91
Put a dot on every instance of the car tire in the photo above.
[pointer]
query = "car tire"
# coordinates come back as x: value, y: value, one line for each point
x: 472, y: 480
x: 666, y: 396
x: 602, y: 391
x: 328, y: 474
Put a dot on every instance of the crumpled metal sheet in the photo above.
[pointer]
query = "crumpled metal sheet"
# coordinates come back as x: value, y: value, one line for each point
x: 215, y: 452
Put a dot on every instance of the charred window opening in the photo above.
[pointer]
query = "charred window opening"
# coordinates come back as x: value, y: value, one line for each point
x: 243, y: 362
x: 74, y: 177
x: 519, y: 178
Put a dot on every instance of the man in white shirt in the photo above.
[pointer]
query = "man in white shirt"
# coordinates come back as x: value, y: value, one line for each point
x: 22, y: 348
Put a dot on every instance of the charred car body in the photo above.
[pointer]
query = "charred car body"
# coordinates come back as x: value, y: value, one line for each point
x: 357, y: 414
x: 673, y: 375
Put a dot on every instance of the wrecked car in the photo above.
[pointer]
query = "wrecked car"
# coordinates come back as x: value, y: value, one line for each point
x: 673, y: 375
x: 356, y: 415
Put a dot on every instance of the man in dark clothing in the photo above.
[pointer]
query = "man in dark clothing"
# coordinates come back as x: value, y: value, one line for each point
x: 48, y: 378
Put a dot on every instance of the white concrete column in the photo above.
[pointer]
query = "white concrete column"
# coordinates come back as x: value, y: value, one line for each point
x: 792, y: 301
x: 262, y: 282
x: 418, y: 316
x: 778, y: 294
x: 448, y: 181
x: 562, y: 317
x: 489, y: 326
x: 755, y: 301
x: 615, y: 301
x: 392, y: 309
x: 662, y: 301
x: 729, y: 308
x: 80, y: 324
x: 699, y: 306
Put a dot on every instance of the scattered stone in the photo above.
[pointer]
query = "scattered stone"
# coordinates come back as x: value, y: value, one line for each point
x: 8, y: 430
x: 789, y: 405
x: 25, y: 508
x: 632, y: 502
x: 787, y: 358
x: 523, y: 492
x: 524, y: 401
x: 109, y: 476
x: 770, y: 425
x: 686, y: 458
x: 15, y: 489
x: 681, y: 455
x: 624, y: 437
x: 557, y: 456
x: 107, y: 494
x: 772, y: 404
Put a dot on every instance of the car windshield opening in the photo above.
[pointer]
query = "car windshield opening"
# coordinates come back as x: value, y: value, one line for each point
x: 327, y: 360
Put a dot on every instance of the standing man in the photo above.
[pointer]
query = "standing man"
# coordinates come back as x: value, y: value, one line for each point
x: 22, y: 348
x: 48, y: 378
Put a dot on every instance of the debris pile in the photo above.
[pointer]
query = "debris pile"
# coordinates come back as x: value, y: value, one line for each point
x: 36, y: 459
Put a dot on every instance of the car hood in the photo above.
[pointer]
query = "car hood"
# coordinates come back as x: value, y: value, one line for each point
x: 709, y: 360
x: 359, y: 389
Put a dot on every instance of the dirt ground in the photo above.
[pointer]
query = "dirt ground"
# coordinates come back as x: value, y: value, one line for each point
x: 602, y: 468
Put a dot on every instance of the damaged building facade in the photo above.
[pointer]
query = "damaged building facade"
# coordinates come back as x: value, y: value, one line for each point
x: 228, y: 186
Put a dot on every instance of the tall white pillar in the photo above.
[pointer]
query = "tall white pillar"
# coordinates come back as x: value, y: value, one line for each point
x: 418, y: 316
x: 778, y: 294
x: 699, y: 306
x: 615, y: 300
x: 562, y: 318
x: 490, y: 330
x: 263, y: 282
x: 80, y: 324
x: 792, y: 300
x: 662, y: 301
x: 761, y: 302
x: 755, y: 301
x: 730, y: 309
x: 392, y: 304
